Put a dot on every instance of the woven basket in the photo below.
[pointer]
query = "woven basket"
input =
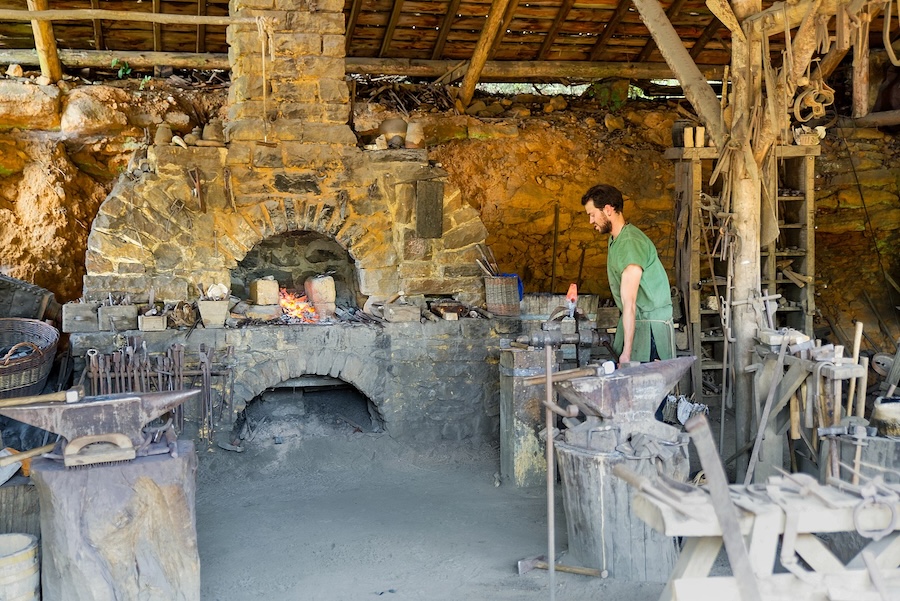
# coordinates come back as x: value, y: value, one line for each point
x: 26, y: 375
x: 502, y: 295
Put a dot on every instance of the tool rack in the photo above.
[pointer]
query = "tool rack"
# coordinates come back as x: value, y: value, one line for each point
x: 704, y: 231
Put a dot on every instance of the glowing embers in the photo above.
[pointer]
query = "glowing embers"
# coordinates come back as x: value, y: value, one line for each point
x: 295, y: 307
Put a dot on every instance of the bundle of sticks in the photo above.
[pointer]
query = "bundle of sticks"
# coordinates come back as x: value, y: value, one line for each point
x: 487, y: 262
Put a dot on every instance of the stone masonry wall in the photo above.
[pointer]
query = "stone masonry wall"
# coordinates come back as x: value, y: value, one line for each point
x: 291, y: 164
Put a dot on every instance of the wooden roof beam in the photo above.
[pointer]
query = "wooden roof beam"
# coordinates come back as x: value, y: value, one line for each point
x: 705, y: 36
x: 201, y: 29
x: 157, y: 30
x: 561, y: 17
x: 426, y: 69
x: 45, y: 43
x: 693, y: 82
x: 610, y: 29
x: 98, y: 27
x: 391, y: 26
x: 648, y: 48
x: 351, y: 24
x: 444, y: 30
x: 772, y: 20
x: 482, y: 49
x: 507, y: 19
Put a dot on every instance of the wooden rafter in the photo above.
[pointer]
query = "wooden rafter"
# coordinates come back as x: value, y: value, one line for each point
x: 45, y: 43
x: 610, y: 29
x: 772, y: 20
x: 648, y: 48
x: 157, y: 30
x: 507, y: 19
x: 444, y: 30
x: 351, y: 24
x: 391, y: 26
x: 482, y: 48
x: 561, y: 17
x: 708, y: 32
x: 98, y: 27
x: 201, y: 29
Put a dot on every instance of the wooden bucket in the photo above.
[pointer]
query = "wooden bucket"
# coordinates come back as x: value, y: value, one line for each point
x: 603, y: 532
x: 20, y: 572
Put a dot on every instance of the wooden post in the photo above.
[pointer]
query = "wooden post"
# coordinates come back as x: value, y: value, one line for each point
x: 861, y: 67
x: 45, y: 43
x: 482, y: 49
x: 746, y: 74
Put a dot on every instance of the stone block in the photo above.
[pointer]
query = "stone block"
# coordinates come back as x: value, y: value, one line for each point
x: 239, y: 5
x: 334, y: 90
x: 329, y: 6
x: 491, y: 131
x: 302, y: 111
x: 264, y: 292
x: 334, y: 45
x: 28, y: 106
x: 329, y: 134
x: 320, y: 67
x: 91, y: 110
x: 379, y: 281
x: 336, y: 113
x: 297, y: 44
x: 294, y: 91
x: 299, y: 183
x: 263, y: 312
x: 324, y: 23
x: 310, y: 156
x: 469, y: 233
x: 245, y: 129
x: 267, y: 157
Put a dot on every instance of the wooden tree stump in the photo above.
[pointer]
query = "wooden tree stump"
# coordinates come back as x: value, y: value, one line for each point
x: 122, y: 531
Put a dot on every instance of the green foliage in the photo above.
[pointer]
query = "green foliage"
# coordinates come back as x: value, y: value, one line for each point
x: 124, y: 68
x: 144, y: 81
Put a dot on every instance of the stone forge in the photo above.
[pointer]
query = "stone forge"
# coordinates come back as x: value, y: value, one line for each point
x: 291, y: 167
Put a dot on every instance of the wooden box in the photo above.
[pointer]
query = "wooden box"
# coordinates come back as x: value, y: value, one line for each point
x: 117, y: 317
x: 79, y: 317
x: 264, y: 292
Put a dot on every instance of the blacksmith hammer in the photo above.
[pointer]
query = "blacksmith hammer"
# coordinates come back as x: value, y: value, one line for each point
x: 540, y: 562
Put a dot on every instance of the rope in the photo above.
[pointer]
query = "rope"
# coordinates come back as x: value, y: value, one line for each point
x: 886, y: 32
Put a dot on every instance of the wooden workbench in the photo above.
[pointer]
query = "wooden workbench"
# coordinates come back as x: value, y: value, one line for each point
x: 763, y: 522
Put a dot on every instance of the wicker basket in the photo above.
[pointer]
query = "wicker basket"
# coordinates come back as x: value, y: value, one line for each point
x: 26, y: 375
x: 502, y: 295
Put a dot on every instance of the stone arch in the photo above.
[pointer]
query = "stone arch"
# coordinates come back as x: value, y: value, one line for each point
x: 367, y: 376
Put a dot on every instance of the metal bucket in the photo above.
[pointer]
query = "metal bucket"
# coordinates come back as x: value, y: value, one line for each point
x: 20, y: 572
x: 603, y: 533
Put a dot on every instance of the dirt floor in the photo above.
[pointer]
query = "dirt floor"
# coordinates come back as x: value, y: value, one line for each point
x: 340, y: 512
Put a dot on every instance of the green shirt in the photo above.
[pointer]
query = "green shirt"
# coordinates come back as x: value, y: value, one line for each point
x: 654, y: 301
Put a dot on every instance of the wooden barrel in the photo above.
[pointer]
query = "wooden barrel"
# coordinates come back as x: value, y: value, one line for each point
x: 20, y: 572
x: 603, y: 532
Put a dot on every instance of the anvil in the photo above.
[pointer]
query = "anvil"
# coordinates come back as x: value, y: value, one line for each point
x: 116, y: 419
x: 628, y: 390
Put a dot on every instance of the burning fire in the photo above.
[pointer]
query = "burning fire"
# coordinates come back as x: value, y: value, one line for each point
x: 296, y: 306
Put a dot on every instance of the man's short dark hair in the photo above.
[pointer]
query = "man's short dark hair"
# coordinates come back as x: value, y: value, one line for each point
x: 602, y: 195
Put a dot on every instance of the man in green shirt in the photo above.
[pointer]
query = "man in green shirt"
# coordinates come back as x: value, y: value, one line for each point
x: 637, y: 280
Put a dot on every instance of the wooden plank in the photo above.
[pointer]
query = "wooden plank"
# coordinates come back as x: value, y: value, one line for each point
x: 444, y: 30
x: 482, y: 49
x: 609, y: 29
x: 429, y: 209
x: 814, y: 552
x: 860, y: 102
x: 157, y: 31
x: 696, y: 559
x: 201, y: 29
x: 391, y: 26
x: 20, y: 508
x: 94, y: 58
x: 507, y: 18
x: 116, y: 15
x: 45, y: 42
x: 564, y: 10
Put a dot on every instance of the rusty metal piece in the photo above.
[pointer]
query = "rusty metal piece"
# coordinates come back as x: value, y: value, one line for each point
x: 631, y: 389
x: 116, y: 419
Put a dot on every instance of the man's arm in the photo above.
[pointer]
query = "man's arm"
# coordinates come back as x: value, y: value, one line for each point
x: 631, y: 280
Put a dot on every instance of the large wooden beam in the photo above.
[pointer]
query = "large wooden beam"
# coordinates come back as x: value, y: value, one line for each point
x: 45, y: 43
x: 138, y: 60
x: 482, y: 48
x: 201, y: 29
x: 157, y: 29
x: 881, y: 119
x: 396, y: 11
x: 426, y: 69
x: 610, y: 29
x: 117, y: 15
x: 522, y: 70
x: 696, y: 87
x: 860, y: 103
x: 705, y: 36
x: 444, y: 30
x: 560, y: 18
x: 772, y: 20
x: 98, y: 28
x: 647, y: 50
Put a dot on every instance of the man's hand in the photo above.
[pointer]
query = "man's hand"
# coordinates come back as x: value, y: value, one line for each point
x: 631, y: 281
